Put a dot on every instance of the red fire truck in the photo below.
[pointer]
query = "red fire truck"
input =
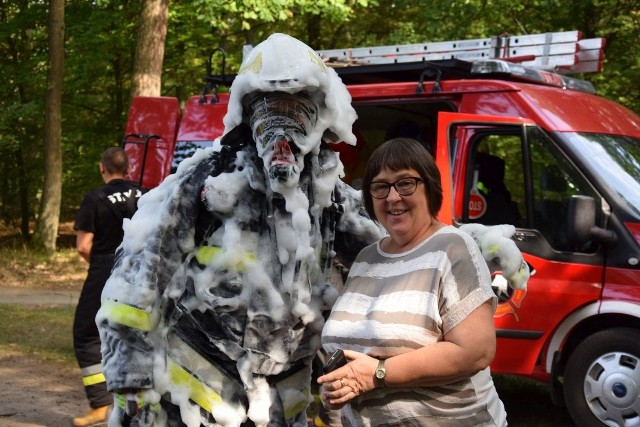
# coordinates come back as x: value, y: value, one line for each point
x: 518, y: 141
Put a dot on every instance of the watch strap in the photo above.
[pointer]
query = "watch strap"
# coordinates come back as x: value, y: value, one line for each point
x: 377, y: 378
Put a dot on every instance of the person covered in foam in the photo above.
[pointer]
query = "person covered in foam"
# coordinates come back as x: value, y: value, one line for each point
x: 213, y: 311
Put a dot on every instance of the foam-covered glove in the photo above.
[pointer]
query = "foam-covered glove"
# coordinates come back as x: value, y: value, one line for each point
x: 495, y: 244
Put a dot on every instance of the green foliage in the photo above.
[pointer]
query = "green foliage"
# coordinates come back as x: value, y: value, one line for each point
x: 23, y: 49
x: 100, y: 42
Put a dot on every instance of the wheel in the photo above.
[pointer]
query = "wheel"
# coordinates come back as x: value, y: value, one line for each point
x: 602, y: 379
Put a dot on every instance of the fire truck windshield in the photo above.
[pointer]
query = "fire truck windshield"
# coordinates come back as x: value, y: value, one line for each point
x: 617, y: 160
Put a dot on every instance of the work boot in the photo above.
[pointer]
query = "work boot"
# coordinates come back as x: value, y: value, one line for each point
x: 94, y: 417
x: 319, y: 422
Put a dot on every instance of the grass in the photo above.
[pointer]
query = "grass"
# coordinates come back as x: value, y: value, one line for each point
x: 44, y: 333
x: 40, y: 331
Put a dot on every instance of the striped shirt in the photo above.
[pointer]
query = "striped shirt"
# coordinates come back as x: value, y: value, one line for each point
x: 394, y: 303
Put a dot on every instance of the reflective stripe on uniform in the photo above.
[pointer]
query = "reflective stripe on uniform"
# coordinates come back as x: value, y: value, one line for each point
x: 127, y: 315
x: 93, y: 379
x: 92, y: 375
x: 205, y: 389
x: 238, y: 260
x: 294, y: 393
x: 121, y: 400
x: 90, y: 370
x: 192, y: 361
x: 199, y: 392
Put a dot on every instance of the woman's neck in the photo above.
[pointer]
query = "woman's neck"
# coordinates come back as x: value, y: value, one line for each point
x: 398, y: 245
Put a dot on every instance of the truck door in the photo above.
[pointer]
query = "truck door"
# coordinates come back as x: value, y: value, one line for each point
x: 150, y: 138
x: 509, y: 171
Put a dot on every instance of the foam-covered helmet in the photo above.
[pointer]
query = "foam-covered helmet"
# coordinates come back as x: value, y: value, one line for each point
x: 282, y: 63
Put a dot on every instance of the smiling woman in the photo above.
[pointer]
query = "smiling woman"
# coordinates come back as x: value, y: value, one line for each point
x: 420, y: 293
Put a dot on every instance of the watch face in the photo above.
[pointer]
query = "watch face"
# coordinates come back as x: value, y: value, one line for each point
x: 380, y: 373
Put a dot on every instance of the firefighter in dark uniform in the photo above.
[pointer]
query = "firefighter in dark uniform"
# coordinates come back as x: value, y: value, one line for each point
x: 99, y: 232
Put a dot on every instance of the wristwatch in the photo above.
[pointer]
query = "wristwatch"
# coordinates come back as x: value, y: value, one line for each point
x: 380, y: 373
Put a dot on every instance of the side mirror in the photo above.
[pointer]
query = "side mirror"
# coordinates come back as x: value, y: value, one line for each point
x: 582, y: 223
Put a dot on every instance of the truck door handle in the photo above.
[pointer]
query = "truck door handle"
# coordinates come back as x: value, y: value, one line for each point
x: 522, y: 236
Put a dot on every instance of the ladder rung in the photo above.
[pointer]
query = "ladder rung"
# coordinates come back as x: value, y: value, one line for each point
x: 560, y: 50
x: 590, y: 55
x: 587, y: 44
x: 540, y: 50
x: 458, y: 45
x: 553, y: 60
x: 536, y: 39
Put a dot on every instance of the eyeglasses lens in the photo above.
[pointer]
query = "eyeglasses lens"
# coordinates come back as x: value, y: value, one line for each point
x: 404, y: 187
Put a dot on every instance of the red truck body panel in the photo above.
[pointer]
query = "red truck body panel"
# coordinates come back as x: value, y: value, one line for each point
x: 202, y: 121
x: 580, y: 289
x: 555, y: 291
x: 150, y: 138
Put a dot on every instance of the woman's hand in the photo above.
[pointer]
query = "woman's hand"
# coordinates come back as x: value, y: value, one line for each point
x: 349, y: 381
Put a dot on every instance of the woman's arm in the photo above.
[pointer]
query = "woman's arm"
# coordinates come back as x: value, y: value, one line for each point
x: 466, y: 349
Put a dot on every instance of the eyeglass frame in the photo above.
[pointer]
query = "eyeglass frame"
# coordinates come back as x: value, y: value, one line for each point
x: 416, y: 181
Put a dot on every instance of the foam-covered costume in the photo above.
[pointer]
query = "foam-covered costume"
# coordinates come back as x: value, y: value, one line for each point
x: 213, y: 311
x: 501, y: 253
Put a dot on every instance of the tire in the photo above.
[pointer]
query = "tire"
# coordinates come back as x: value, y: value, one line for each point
x: 602, y: 379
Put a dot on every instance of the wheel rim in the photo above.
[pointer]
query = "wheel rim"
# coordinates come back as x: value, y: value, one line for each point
x: 612, y: 389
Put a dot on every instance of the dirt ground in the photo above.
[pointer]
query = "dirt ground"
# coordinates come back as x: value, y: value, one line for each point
x: 38, y: 394
x: 34, y: 393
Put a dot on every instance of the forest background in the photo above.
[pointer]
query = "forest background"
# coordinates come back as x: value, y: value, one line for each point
x: 68, y: 69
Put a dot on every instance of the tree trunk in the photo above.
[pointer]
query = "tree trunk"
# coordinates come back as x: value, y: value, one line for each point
x: 149, y: 55
x: 313, y: 30
x: 24, y: 195
x: 52, y: 191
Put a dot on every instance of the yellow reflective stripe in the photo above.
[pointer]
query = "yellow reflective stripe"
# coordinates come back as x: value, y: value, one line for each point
x: 292, y: 411
x: 93, y: 379
x: 293, y: 393
x: 206, y: 253
x: 121, y: 400
x: 205, y: 387
x: 316, y: 60
x: 192, y: 361
x: 127, y: 315
x: 236, y: 259
x: 200, y: 393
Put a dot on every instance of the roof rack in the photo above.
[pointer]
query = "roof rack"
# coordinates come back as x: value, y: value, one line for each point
x: 538, y: 58
x: 564, y: 52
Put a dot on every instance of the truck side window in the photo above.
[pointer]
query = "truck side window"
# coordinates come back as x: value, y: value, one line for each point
x: 498, y: 180
x: 501, y: 192
x: 554, y: 180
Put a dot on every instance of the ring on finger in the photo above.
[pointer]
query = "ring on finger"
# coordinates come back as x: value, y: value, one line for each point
x: 342, y: 382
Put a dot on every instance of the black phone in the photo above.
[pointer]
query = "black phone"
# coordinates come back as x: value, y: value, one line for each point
x: 336, y: 360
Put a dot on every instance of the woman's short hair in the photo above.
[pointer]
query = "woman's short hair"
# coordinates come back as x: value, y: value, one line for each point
x: 404, y: 153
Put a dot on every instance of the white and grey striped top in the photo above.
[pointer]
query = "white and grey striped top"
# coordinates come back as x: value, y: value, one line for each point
x: 394, y: 303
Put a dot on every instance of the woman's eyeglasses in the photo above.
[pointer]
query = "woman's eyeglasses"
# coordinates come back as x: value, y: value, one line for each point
x: 404, y: 187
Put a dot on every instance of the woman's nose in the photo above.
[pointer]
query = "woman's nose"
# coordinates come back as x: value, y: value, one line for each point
x: 393, y: 194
